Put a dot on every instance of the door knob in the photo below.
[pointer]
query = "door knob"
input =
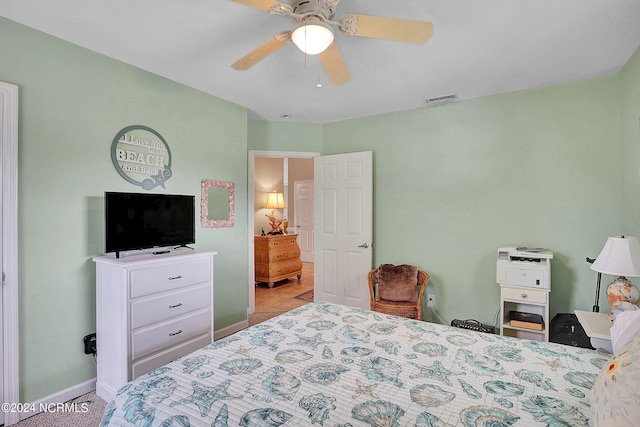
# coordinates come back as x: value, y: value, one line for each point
x: 364, y: 245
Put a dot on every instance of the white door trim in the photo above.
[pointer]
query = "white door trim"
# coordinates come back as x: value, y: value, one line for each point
x: 10, y: 343
x: 250, y: 206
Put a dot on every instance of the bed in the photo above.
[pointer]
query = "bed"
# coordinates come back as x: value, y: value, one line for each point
x: 336, y: 366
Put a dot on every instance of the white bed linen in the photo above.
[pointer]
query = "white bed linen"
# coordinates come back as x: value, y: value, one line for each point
x: 330, y: 365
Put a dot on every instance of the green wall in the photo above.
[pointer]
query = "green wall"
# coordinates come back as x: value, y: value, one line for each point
x: 555, y: 167
x: 537, y: 168
x: 284, y: 136
x: 630, y: 124
x: 551, y: 167
x: 72, y: 104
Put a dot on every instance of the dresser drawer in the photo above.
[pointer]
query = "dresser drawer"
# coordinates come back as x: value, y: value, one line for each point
x: 148, y: 340
x: 283, y: 242
x: 281, y: 254
x: 525, y: 295
x: 157, y: 279
x: 162, y: 358
x: 274, y: 242
x: 278, y: 271
x: 167, y: 305
x: 283, y: 268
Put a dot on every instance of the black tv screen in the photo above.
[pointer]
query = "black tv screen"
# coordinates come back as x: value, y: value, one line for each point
x: 141, y: 221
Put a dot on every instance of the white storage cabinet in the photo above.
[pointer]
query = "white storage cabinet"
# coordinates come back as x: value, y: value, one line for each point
x: 528, y: 300
x: 150, y: 310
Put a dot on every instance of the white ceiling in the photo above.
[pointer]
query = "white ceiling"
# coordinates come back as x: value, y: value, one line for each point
x: 479, y: 48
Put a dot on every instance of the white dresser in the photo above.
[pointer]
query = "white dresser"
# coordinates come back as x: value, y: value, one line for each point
x: 150, y: 310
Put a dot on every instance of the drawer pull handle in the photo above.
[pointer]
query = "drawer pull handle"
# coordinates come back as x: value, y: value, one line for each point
x: 176, y: 305
x: 173, y: 334
x: 523, y: 295
x: 175, y: 277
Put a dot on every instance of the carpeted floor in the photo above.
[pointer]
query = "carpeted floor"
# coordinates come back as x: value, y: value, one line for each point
x: 87, y: 410
x: 84, y: 411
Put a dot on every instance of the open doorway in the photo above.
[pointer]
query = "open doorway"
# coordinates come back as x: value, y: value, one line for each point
x: 278, y: 171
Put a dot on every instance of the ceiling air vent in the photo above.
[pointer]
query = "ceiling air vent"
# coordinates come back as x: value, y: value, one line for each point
x: 441, y: 100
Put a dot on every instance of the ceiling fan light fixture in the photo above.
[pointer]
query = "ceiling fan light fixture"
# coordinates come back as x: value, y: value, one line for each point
x: 312, y: 36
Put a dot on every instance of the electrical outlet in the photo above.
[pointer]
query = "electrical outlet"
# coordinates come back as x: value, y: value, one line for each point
x: 431, y: 300
x: 90, y: 344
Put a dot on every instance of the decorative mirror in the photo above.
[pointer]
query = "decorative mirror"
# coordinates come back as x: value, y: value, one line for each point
x: 217, y: 206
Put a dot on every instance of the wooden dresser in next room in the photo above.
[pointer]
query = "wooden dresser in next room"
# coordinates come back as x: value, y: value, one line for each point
x: 276, y: 257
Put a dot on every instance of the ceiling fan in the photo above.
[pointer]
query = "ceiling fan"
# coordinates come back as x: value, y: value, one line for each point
x: 313, y: 33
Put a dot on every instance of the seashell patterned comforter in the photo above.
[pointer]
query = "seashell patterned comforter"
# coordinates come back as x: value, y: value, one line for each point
x: 335, y: 366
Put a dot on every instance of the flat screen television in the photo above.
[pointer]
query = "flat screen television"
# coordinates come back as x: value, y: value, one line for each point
x: 136, y: 221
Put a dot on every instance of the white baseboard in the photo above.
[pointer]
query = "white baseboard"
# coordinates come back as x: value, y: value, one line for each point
x: 436, y: 316
x: 83, y: 388
x: 61, y: 397
x: 231, y: 329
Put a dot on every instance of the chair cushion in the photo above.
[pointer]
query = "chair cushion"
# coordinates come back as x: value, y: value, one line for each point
x: 398, y: 283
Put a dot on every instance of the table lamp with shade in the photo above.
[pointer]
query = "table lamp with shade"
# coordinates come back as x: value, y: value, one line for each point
x: 620, y: 257
x: 274, y: 201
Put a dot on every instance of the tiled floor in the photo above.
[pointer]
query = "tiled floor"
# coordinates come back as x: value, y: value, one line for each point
x: 282, y: 296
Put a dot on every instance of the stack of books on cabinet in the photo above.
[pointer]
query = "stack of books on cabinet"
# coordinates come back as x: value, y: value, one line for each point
x: 525, y: 320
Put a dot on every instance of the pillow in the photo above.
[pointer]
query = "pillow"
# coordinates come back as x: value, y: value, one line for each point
x: 398, y: 283
x: 625, y: 325
x: 616, y: 392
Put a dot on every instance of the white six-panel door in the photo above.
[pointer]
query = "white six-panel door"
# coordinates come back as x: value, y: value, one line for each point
x: 303, y: 218
x: 343, y: 228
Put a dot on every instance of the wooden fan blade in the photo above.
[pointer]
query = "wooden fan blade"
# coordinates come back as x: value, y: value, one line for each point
x: 262, y: 51
x: 402, y: 30
x: 260, y: 4
x: 334, y: 65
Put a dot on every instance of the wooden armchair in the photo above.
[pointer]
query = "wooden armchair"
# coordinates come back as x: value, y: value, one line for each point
x: 394, y: 291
